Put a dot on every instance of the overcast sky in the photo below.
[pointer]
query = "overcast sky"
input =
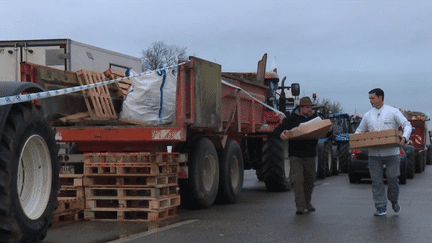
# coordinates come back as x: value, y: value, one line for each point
x: 338, y: 49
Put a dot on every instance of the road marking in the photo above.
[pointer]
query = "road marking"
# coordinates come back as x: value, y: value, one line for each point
x: 139, y: 235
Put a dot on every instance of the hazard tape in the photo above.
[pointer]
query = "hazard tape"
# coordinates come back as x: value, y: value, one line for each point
x: 15, y: 99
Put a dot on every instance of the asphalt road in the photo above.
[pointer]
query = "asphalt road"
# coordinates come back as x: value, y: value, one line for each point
x: 344, y: 214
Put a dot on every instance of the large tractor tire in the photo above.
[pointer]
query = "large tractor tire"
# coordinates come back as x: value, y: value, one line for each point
x: 324, y: 159
x: 410, y: 158
x: 335, y: 166
x: 344, y: 157
x: 429, y: 155
x: 200, y: 189
x: 29, y: 175
x: 231, y: 173
x: 418, y: 162
x: 275, y: 168
x: 403, y: 171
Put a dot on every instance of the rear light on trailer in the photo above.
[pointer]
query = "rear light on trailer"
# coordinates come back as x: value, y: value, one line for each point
x: 355, y: 152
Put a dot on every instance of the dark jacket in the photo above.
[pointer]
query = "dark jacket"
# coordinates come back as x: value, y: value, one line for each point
x: 298, y: 148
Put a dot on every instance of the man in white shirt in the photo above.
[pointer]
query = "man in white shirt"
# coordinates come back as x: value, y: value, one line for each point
x: 383, y: 117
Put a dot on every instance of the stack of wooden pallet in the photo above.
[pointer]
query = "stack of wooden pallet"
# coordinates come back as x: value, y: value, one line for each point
x: 71, y: 200
x: 131, y: 186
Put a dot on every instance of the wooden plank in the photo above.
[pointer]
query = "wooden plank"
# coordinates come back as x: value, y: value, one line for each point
x: 71, y: 180
x: 130, y: 192
x: 130, y: 169
x: 122, y: 86
x: 127, y: 121
x: 67, y: 217
x: 130, y: 181
x: 130, y: 215
x: 134, y: 157
x: 68, y: 204
x: 137, y: 204
x: 71, y: 191
x: 75, y: 116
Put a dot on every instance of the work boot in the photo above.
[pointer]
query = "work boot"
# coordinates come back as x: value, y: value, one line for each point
x: 310, y: 207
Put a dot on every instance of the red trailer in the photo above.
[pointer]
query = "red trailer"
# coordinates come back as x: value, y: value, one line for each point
x: 419, y: 140
x: 222, y: 126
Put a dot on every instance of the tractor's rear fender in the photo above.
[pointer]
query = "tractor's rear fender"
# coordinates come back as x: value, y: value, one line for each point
x: 10, y: 88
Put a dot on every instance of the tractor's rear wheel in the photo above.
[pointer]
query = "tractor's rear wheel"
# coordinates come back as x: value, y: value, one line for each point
x: 403, y: 171
x: 200, y: 189
x: 324, y: 159
x: 429, y: 155
x: 29, y: 180
x: 231, y: 173
x: 344, y: 155
x: 410, y: 159
x: 275, y: 159
x: 335, y: 161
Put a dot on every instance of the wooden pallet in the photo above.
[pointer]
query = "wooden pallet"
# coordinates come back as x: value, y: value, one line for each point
x: 67, y: 217
x: 139, y: 204
x: 68, y: 204
x: 135, y: 169
x: 130, y: 181
x: 98, y: 100
x: 122, y: 86
x: 130, y: 215
x: 71, y: 191
x: 71, y: 179
x: 139, y: 157
x: 126, y: 192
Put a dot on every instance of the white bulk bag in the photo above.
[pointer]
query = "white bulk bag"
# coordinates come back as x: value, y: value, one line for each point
x: 151, y: 99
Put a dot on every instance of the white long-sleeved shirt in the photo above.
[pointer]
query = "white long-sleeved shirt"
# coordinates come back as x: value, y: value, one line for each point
x: 387, y: 117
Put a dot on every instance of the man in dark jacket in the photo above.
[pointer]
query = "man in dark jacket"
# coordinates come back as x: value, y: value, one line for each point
x: 302, y: 155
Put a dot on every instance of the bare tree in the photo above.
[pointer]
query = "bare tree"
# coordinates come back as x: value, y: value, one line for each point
x: 160, y: 55
x: 334, y: 106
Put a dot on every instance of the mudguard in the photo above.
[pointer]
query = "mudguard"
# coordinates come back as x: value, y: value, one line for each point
x: 10, y: 88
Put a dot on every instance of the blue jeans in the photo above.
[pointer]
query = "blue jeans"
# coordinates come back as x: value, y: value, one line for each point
x: 377, y: 175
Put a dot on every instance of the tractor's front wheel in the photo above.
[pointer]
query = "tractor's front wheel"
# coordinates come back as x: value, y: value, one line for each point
x: 29, y: 180
x: 276, y: 163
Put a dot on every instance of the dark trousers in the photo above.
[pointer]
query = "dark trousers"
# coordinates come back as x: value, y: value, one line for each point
x: 302, y: 174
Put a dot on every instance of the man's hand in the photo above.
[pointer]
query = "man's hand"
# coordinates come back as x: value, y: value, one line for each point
x: 284, y: 136
x: 402, y: 142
